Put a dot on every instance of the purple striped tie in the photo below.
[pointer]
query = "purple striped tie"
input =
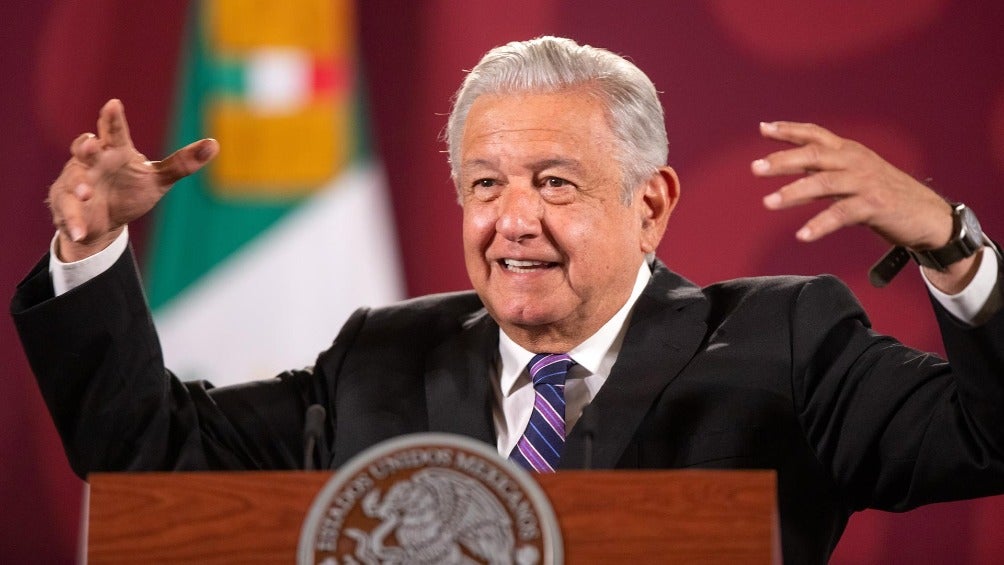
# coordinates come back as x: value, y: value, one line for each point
x: 540, y: 447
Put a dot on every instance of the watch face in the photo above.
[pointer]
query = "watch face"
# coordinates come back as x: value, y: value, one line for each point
x: 970, y: 232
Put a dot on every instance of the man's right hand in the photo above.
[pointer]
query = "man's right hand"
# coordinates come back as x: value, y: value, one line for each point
x: 107, y: 183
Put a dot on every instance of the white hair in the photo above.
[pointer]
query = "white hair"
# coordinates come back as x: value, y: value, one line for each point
x: 552, y: 64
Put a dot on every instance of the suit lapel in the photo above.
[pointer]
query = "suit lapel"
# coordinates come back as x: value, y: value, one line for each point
x: 665, y: 330
x: 458, y: 381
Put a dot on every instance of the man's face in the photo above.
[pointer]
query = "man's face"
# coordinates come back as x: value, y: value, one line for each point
x: 550, y: 246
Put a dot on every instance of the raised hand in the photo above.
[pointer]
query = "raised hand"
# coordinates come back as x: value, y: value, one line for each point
x: 107, y: 183
x: 864, y: 190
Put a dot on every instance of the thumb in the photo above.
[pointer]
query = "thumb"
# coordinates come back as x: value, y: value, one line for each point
x: 186, y: 160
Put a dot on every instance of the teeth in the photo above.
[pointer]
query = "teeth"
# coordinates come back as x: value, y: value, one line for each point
x: 519, y: 266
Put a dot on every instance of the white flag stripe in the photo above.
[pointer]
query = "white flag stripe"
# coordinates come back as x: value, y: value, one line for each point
x: 281, y: 300
x: 278, y: 80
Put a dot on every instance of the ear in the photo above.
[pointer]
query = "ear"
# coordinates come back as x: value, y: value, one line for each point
x: 656, y: 200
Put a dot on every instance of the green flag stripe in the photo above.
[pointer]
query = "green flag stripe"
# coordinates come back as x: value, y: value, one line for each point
x: 194, y: 230
x: 230, y: 78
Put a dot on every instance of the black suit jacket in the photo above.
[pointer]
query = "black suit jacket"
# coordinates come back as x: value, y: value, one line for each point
x: 778, y: 373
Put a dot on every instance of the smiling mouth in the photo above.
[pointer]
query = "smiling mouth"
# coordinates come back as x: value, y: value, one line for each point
x: 518, y: 266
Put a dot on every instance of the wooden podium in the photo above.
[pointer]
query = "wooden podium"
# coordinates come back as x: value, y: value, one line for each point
x: 605, y: 516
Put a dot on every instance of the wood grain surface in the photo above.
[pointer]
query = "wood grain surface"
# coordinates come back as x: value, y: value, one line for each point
x: 605, y: 516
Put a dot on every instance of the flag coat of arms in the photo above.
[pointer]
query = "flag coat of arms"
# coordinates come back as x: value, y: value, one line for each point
x: 255, y: 262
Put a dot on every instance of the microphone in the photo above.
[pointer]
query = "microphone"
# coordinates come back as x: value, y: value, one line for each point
x: 313, y: 433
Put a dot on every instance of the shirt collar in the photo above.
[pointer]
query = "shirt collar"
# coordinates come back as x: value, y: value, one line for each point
x: 590, y: 355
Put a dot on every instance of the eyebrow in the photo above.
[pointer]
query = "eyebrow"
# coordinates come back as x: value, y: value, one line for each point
x: 549, y: 163
x: 562, y: 162
x: 476, y: 163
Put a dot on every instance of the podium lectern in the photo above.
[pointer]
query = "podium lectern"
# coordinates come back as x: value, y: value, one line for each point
x: 605, y: 516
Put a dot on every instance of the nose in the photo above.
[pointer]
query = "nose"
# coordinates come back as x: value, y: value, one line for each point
x: 519, y: 214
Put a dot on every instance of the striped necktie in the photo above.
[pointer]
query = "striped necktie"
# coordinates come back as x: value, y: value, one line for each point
x: 540, y: 447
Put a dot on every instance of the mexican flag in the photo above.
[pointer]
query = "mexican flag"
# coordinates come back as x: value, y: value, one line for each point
x: 256, y: 261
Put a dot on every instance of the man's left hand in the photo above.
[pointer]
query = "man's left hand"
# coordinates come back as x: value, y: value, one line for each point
x: 865, y: 189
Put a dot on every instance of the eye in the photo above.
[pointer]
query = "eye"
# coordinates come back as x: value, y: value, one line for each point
x: 485, y: 189
x: 557, y: 190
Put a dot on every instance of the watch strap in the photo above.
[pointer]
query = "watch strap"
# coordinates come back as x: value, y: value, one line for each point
x: 888, y: 266
x: 966, y: 240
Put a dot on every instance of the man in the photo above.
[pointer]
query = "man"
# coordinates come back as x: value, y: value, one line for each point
x: 558, y: 153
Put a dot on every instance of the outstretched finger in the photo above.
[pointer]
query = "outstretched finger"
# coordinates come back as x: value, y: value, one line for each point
x: 78, y: 142
x: 68, y: 212
x: 807, y: 189
x: 809, y: 158
x: 840, y: 214
x: 799, y: 133
x: 186, y: 160
x: 112, y: 126
x: 85, y: 148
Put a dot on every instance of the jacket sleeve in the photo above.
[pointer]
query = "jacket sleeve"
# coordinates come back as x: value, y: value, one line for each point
x: 897, y: 427
x: 98, y: 363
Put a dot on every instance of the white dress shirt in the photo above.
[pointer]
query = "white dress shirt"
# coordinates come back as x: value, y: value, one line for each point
x: 593, y: 358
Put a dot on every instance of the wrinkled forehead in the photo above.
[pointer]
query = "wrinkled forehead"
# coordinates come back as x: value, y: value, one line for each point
x: 585, y: 98
x: 538, y: 126
x: 575, y: 114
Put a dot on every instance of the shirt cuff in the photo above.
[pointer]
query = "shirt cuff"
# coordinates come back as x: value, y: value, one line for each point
x: 975, y: 303
x: 68, y: 276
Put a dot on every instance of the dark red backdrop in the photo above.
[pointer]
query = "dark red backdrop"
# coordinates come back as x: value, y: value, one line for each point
x: 918, y: 80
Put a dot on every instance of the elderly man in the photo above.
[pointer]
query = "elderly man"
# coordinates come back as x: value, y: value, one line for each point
x: 558, y: 152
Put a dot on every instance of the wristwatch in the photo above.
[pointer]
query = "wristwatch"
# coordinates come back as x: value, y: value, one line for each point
x: 967, y: 239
